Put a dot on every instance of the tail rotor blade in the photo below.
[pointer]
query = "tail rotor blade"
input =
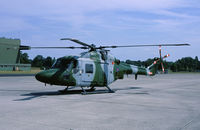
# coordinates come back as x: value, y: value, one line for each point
x: 156, y: 60
x: 163, y: 69
x: 161, y: 59
x: 166, y: 56
x: 160, y: 53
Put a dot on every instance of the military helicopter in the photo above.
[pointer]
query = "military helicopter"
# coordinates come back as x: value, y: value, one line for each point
x: 93, y: 68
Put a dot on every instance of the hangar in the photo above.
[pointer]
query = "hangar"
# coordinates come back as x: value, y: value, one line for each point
x: 10, y: 55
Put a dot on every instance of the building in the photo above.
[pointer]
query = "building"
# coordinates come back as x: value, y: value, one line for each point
x: 10, y: 55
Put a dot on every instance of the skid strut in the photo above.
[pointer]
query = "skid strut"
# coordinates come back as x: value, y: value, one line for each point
x: 109, y: 89
x: 64, y: 90
x: 84, y: 92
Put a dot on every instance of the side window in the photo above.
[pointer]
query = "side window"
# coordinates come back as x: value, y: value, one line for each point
x: 88, y: 68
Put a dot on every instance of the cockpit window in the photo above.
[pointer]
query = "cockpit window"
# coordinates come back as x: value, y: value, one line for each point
x: 61, y: 63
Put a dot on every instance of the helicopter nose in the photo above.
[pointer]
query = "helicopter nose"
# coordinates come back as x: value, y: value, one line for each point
x: 43, y: 76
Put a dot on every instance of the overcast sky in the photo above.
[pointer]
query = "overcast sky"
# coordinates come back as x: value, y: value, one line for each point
x: 104, y: 22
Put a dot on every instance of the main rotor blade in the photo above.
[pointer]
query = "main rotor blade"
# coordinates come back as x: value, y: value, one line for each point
x: 59, y: 47
x: 22, y: 47
x: 101, y: 47
x: 77, y: 41
x: 28, y: 47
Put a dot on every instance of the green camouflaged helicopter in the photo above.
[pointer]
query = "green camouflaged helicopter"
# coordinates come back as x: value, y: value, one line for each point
x: 93, y: 68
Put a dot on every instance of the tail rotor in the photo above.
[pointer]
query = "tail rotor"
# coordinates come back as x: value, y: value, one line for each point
x: 161, y: 59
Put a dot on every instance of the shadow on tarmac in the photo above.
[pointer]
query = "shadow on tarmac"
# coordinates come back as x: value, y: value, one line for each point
x: 31, y: 96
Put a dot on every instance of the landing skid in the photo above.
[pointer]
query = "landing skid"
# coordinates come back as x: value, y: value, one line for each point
x: 92, y: 91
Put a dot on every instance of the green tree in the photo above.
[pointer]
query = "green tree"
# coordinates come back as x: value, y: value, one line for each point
x: 48, y: 62
x: 173, y: 67
x: 197, y: 63
x: 187, y: 64
x: 38, y: 61
x: 24, y: 58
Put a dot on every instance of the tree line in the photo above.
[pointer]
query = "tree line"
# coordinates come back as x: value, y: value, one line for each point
x: 38, y: 61
x: 184, y: 64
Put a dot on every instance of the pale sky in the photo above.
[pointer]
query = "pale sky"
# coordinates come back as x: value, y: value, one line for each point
x: 104, y: 22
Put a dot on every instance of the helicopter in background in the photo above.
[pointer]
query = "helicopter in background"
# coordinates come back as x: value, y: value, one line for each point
x: 94, y: 67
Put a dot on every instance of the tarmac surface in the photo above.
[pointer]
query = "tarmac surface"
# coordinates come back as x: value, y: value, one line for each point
x: 166, y: 102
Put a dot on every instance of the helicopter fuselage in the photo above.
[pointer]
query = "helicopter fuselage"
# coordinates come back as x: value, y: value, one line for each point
x: 89, y: 69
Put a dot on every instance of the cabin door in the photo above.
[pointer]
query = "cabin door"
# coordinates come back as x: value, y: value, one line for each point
x: 88, y: 71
